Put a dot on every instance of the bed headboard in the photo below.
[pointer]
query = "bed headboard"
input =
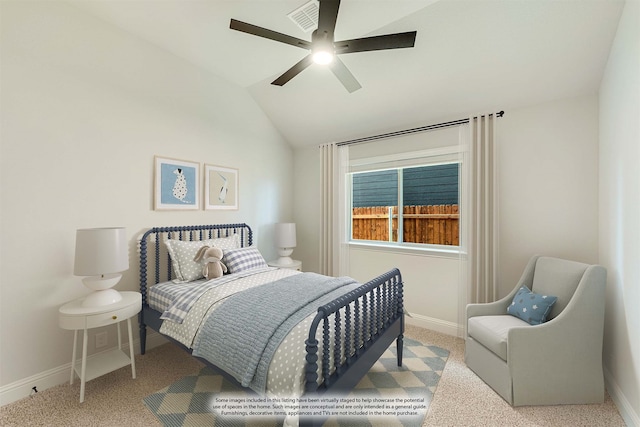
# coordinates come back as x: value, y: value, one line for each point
x: 160, y: 264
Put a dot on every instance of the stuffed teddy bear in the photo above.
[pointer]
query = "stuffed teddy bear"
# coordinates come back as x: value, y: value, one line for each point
x: 213, y: 266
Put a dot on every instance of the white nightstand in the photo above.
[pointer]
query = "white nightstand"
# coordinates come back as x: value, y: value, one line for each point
x: 75, y: 317
x: 295, y: 265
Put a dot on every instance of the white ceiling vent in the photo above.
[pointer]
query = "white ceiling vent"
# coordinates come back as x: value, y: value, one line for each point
x: 306, y: 16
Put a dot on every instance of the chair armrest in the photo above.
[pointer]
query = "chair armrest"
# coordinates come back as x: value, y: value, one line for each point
x: 487, y: 309
x: 491, y: 308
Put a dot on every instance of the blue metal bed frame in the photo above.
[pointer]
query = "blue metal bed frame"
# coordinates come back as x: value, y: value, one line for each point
x: 366, y: 320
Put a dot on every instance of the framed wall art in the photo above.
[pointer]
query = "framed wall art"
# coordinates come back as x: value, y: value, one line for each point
x: 220, y: 187
x: 177, y: 184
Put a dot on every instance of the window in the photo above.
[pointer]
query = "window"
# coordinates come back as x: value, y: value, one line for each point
x: 427, y: 195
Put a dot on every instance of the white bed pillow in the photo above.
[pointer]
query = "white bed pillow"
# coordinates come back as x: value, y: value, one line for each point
x: 182, y: 254
x: 242, y: 259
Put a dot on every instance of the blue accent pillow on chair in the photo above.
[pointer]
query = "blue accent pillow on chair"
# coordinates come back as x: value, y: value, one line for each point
x: 531, y: 307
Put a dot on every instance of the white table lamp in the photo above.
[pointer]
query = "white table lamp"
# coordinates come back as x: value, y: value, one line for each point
x: 101, y: 255
x: 285, y: 241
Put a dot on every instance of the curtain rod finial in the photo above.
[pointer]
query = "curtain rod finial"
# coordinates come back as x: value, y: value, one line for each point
x: 500, y: 114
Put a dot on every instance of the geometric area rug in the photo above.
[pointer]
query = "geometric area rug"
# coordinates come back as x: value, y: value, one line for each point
x: 388, y: 395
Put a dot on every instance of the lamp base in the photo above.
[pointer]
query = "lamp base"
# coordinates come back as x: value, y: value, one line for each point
x: 285, y: 260
x: 285, y: 256
x: 102, y: 293
x: 100, y: 298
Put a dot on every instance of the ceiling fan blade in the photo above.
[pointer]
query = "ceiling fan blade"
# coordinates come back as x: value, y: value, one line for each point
x: 344, y: 75
x: 327, y: 16
x: 268, y: 34
x: 293, y: 71
x: 388, y: 41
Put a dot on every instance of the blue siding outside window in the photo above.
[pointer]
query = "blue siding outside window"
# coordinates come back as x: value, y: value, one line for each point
x: 430, y: 185
x: 423, y: 185
x: 378, y: 188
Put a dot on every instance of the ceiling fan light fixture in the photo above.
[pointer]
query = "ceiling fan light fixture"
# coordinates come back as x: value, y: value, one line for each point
x: 323, y: 45
x: 322, y: 57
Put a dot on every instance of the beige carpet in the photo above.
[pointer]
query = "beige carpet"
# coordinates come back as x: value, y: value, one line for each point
x: 461, y: 398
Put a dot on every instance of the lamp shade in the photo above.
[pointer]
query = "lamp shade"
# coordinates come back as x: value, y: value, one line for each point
x: 101, y: 251
x: 285, y: 235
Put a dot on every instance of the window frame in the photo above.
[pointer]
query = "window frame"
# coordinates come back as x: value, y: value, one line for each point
x: 400, y: 161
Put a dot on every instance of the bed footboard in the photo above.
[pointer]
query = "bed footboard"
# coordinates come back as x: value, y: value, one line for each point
x: 365, y: 322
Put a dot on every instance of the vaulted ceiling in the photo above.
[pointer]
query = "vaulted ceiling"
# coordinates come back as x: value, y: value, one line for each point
x: 469, y: 56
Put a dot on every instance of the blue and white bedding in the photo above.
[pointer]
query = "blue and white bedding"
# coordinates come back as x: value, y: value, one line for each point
x: 177, y: 299
x: 161, y: 296
x: 242, y: 345
x: 285, y: 374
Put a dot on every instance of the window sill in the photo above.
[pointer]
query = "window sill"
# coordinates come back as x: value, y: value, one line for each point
x: 454, y: 252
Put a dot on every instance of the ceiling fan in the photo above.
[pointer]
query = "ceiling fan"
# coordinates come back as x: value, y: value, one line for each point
x: 324, y: 49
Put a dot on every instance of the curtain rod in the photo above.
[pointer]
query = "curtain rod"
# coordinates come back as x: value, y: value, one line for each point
x: 410, y: 131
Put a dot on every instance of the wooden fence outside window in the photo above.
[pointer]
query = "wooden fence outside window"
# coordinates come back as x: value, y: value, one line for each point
x: 432, y: 224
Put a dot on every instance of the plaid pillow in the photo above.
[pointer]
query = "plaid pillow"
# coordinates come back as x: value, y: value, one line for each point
x: 242, y: 259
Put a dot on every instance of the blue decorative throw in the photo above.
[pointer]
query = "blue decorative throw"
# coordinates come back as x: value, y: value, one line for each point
x: 242, y: 335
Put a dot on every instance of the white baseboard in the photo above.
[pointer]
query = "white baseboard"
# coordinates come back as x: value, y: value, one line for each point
x: 630, y: 417
x: 154, y: 339
x: 442, y: 326
x: 24, y: 388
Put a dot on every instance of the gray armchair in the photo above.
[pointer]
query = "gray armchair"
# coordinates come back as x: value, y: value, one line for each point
x: 556, y: 362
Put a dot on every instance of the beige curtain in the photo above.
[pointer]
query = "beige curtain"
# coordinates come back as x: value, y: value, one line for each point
x: 334, y: 250
x: 480, y: 228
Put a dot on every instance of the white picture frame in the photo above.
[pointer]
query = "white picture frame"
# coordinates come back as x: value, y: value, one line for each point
x: 221, y: 188
x: 176, y: 184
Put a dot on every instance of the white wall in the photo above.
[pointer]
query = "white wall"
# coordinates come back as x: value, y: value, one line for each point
x: 548, y: 183
x: 620, y: 213
x: 430, y: 284
x: 85, y: 107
